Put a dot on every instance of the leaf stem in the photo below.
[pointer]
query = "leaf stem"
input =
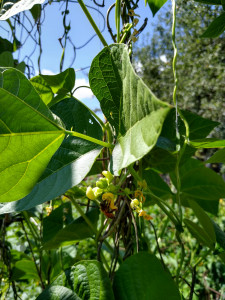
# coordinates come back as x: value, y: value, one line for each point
x: 92, y: 22
x: 89, y: 138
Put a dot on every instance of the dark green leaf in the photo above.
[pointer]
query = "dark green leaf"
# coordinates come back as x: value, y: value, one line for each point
x: 156, y: 184
x: 204, y: 220
x: 211, y: 2
x: 54, y: 222
x: 216, y: 28
x: 218, y: 157
x: 155, y: 5
x: 142, y: 276
x: 5, y: 45
x: 36, y: 12
x: 161, y: 160
x: 199, y: 182
x: 75, y: 231
x: 87, y: 279
x: 27, y: 140
x: 24, y: 269
x: 6, y: 59
x: 58, y: 293
x: 11, y: 8
x: 131, y: 108
x: 220, y: 235
x: 71, y: 163
x: 199, y: 233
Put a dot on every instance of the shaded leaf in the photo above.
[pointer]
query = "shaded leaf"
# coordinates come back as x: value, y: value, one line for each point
x: 24, y: 269
x: 86, y: 279
x: 211, y: 2
x: 216, y: 28
x: 11, y: 8
x: 199, y: 233
x: 142, y: 276
x: 220, y: 235
x: 204, y: 220
x: 6, y: 59
x: 199, y: 182
x: 71, y: 163
x: 155, y: 5
x: 218, y: 157
x: 156, y: 184
x: 36, y: 12
x: 54, y: 222
x: 75, y: 231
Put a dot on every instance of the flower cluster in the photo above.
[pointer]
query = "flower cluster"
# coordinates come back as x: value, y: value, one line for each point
x: 104, y: 192
x: 136, y: 204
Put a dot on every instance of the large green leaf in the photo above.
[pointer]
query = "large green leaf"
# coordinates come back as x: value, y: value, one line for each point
x: 86, y: 279
x: 29, y: 135
x: 142, y: 276
x: 55, y: 221
x: 48, y: 85
x: 204, y: 220
x: 75, y: 231
x: 24, y: 269
x: 216, y: 28
x: 71, y: 163
x: 128, y: 104
x: 218, y: 157
x: 155, y: 5
x: 199, y: 182
x: 11, y: 8
x: 199, y: 233
x: 156, y: 184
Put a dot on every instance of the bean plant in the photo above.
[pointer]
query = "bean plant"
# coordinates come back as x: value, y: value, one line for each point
x: 112, y: 189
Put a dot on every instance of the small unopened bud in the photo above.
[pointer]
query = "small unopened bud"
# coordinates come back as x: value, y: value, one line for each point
x: 90, y: 194
x: 108, y: 175
x: 97, y: 191
x: 102, y: 183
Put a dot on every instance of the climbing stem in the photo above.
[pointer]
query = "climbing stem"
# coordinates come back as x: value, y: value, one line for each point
x: 92, y: 22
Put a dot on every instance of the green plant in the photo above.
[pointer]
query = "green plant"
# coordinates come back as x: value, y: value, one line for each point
x: 54, y: 149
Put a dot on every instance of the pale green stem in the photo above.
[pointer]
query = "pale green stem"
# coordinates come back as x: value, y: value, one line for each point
x: 92, y: 22
x: 126, y: 33
x: 117, y: 18
x: 89, y: 138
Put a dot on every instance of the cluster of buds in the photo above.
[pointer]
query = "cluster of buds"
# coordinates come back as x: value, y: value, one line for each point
x: 136, y: 204
x: 104, y: 192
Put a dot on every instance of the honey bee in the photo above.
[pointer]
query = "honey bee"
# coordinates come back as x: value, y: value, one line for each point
x: 106, y: 210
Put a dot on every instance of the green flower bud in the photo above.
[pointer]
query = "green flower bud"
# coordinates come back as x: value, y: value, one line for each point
x: 97, y: 191
x: 108, y: 175
x: 90, y: 194
x: 134, y: 203
x: 102, y: 183
x: 127, y: 191
x: 113, y: 188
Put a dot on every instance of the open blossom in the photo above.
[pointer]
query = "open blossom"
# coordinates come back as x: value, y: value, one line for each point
x: 110, y: 198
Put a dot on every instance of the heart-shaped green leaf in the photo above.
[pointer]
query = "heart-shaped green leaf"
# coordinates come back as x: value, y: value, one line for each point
x: 71, y: 163
x: 142, y: 276
x: 29, y: 136
x: 129, y: 105
x: 86, y: 279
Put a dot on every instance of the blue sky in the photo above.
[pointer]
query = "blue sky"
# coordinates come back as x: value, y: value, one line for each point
x: 81, y: 31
